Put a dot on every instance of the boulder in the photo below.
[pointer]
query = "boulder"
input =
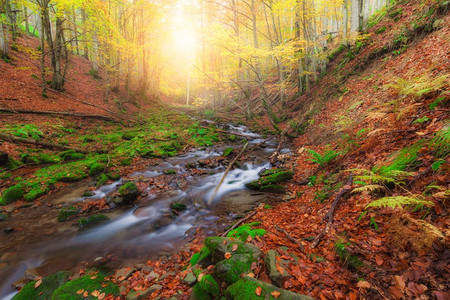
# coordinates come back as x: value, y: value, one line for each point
x: 270, y: 180
x: 129, y: 192
x: 218, y: 246
x: 190, y: 278
x: 245, y: 289
x: 43, y: 290
x: 207, y: 288
x: 230, y: 270
x: 277, y: 274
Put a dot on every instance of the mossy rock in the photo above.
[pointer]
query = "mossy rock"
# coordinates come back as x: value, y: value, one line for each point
x: 36, y: 192
x: 170, y: 172
x: 26, y: 158
x: 66, y: 212
x: 90, y: 221
x: 242, y: 232
x: 270, y: 188
x: 48, y: 158
x: 129, y: 192
x: 206, y: 289
x: 12, y: 194
x: 102, y: 180
x: 73, y: 177
x: 270, y: 179
x: 203, y: 257
x: 45, y: 290
x: 12, y: 163
x: 245, y: 288
x: 71, y: 155
x: 271, y: 259
x: 227, y: 151
x: 128, y: 136
x: 96, y: 168
x: 178, y: 206
x: 89, y: 283
x: 114, y: 176
x: 218, y: 246
x: 230, y: 270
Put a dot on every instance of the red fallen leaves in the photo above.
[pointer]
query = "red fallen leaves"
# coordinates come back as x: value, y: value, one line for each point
x: 258, y: 291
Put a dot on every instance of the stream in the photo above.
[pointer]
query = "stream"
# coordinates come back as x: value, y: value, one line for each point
x: 135, y: 234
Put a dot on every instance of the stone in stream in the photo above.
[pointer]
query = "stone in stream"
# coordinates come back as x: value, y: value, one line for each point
x: 124, y: 274
x: 221, y: 245
x: 129, y: 193
x: 270, y: 180
x: 245, y: 289
x: 43, y: 290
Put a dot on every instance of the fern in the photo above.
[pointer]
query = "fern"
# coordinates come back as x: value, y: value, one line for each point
x: 398, y: 201
x: 440, y: 144
x: 322, y: 159
x: 368, y: 188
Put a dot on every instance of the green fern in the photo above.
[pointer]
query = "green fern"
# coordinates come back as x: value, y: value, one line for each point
x: 322, y: 159
x: 368, y: 188
x: 398, y: 201
x: 440, y: 144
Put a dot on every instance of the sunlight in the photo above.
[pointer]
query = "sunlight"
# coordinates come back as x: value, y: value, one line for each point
x: 185, y: 41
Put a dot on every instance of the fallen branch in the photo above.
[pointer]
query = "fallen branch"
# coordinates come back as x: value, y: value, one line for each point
x: 226, y: 173
x: 11, y: 138
x: 292, y: 239
x: 330, y: 214
x: 239, y: 223
x: 25, y: 111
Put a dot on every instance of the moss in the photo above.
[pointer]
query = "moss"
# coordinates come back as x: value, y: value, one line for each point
x: 380, y: 30
x: 268, y: 182
x: 84, y: 223
x: 89, y: 283
x: 227, y: 151
x: 349, y: 259
x: 218, y: 246
x: 200, y: 257
x: 96, y: 168
x: 66, y: 212
x: 242, y: 232
x: 26, y: 158
x: 232, y: 137
x: 169, y: 172
x: 129, y: 192
x: 230, y: 270
x: 114, y: 176
x: 71, y: 155
x: 395, y: 13
x: 36, y: 192
x: 126, y: 161
x: 245, y: 289
x: 129, y: 135
x: 12, y: 194
x: 12, y: 163
x: 178, y: 206
x: 206, y: 289
x: 48, y: 158
x: 102, y: 180
x: 45, y: 290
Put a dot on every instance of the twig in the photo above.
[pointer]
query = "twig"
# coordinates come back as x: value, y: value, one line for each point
x: 239, y: 223
x: 347, y: 188
x: 226, y: 173
x: 292, y: 239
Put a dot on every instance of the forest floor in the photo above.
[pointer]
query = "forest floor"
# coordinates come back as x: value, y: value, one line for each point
x: 379, y: 117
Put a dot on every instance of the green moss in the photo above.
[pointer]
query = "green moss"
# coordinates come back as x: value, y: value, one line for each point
x: 230, y: 270
x: 84, y: 223
x: 45, y: 290
x: 36, y: 192
x: 126, y: 161
x: 199, y: 257
x: 129, y: 191
x: 114, y: 176
x: 89, y: 283
x: 129, y: 135
x: 349, y: 259
x: 102, y: 180
x: 242, y: 232
x: 227, y: 151
x: 26, y: 158
x: 206, y: 289
x: 268, y: 182
x: 71, y: 155
x: 66, y: 212
x: 12, y: 194
x: 380, y: 30
x: 169, y: 172
x: 96, y: 168
x: 245, y: 289
x: 178, y: 206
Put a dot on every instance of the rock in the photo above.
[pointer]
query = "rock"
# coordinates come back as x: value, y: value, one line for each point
x: 221, y: 245
x: 146, y: 270
x: 152, y: 276
x: 169, y: 172
x: 138, y: 295
x: 124, y: 274
x: 3, y: 158
x: 167, y: 274
x: 230, y: 270
x: 202, y: 258
x: 67, y: 212
x: 206, y: 288
x: 178, y: 206
x: 270, y: 179
x: 84, y: 223
x: 165, y: 220
x: 129, y: 192
x: 245, y: 289
x: 190, y: 278
x: 45, y: 289
x: 102, y: 180
x: 271, y: 260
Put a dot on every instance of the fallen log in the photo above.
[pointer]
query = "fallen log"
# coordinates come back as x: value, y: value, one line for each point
x: 239, y: 223
x: 330, y: 214
x: 11, y: 138
x: 226, y: 173
x: 63, y: 113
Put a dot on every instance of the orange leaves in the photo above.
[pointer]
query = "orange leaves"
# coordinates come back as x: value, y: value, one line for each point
x: 234, y: 247
x: 38, y: 283
x: 258, y: 291
x: 227, y: 255
x: 280, y: 268
x: 275, y: 294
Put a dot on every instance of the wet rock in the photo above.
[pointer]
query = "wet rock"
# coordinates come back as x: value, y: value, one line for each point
x: 230, y: 270
x: 88, y: 194
x: 190, y: 278
x: 178, y: 206
x: 221, y: 245
x: 152, y: 276
x: 45, y: 289
x: 124, y: 274
x: 67, y: 212
x: 246, y: 286
x: 129, y: 192
x: 165, y: 220
x: 166, y: 275
x: 271, y: 260
x: 90, y: 221
x: 270, y: 181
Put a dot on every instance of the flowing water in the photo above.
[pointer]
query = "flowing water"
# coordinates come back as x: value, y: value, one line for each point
x: 150, y: 229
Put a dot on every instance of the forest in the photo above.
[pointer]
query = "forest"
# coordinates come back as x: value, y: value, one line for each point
x: 224, y: 149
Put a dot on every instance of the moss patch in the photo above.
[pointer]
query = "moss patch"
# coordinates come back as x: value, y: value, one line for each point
x: 200, y: 257
x: 242, y: 232
x: 270, y: 179
x: 230, y: 270
x: 71, y: 155
x: 206, y: 289
x: 12, y: 194
x: 66, y: 212
x: 45, y: 290
x: 84, y: 223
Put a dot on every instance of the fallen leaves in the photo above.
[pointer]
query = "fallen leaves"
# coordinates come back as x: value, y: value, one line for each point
x: 258, y: 291
x: 227, y: 255
x: 234, y: 247
x: 38, y: 283
x: 363, y: 284
x: 275, y: 294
